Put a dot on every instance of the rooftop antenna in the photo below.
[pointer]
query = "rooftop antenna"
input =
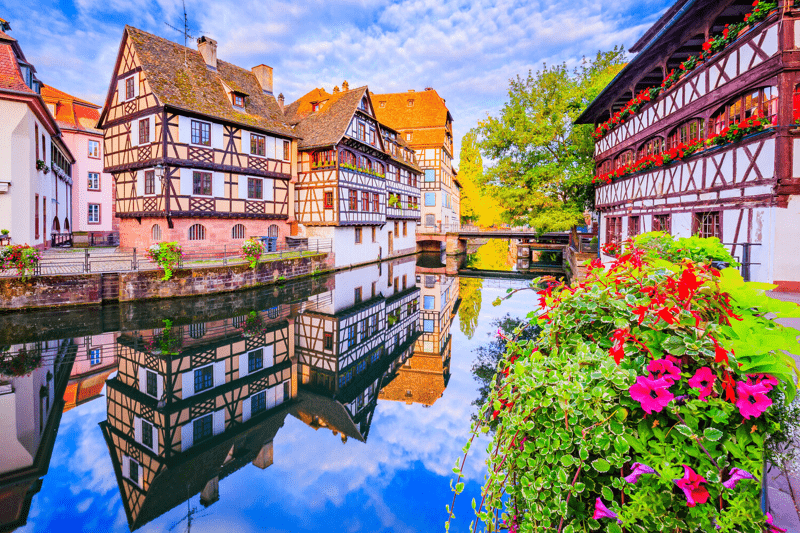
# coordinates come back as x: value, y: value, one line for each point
x: 185, y: 32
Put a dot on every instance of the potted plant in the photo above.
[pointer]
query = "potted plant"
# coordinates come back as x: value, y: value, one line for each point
x: 167, y: 255
x: 253, y: 325
x: 22, y: 257
x: 252, y: 250
x: 21, y: 363
x: 168, y: 342
x: 40, y: 165
x: 4, y: 232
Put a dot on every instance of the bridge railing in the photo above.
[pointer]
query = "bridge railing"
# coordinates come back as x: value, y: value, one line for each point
x: 440, y: 228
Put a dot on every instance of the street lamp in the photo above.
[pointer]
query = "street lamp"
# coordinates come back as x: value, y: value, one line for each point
x: 160, y: 174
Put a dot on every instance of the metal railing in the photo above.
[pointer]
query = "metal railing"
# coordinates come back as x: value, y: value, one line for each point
x: 440, y: 227
x: 103, y: 238
x: 745, y: 258
x: 61, y: 239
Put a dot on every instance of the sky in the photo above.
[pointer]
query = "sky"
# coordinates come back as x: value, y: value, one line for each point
x: 467, y: 50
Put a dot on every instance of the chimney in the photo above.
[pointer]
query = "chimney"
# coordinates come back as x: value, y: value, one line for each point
x: 411, y: 90
x: 345, y: 86
x: 336, y: 89
x: 280, y: 101
x: 208, y: 49
x: 263, y: 74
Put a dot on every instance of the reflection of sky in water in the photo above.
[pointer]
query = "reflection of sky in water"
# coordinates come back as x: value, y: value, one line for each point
x: 398, y: 481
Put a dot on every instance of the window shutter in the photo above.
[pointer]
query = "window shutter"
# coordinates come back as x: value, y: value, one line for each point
x: 187, y: 436
x: 219, y: 421
x: 142, y: 379
x: 137, y: 429
x: 134, y: 132
x: 187, y: 383
x: 219, y: 373
x: 159, y: 386
x: 269, y: 355
x: 243, y: 364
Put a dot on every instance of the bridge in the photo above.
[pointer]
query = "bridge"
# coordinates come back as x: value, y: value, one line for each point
x: 430, y: 238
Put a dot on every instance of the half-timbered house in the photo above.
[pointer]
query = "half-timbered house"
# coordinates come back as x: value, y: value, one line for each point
x: 346, y: 162
x: 745, y: 191
x: 197, y: 146
x: 426, y: 125
x: 350, y: 347
x: 439, y: 296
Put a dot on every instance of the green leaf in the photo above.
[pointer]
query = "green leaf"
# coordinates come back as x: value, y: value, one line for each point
x: 601, y: 465
x: 613, y: 527
x: 712, y: 434
x: 607, y: 494
x: 684, y: 430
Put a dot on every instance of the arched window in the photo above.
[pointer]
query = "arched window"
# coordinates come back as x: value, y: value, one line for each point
x: 623, y: 159
x: 56, y: 224
x: 604, y: 167
x: 763, y: 102
x: 273, y: 230
x: 66, y: 224
x: 687, y: 132
x: 347, y: 158
x: 155, y: 233
x: 197, y: 232
x: 368, y: 163
x: 238, y: 231
x: 380, y: 169
x: 651, y: 147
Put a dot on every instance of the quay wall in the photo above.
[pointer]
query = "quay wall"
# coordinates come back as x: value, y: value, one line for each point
x: 83, y: 289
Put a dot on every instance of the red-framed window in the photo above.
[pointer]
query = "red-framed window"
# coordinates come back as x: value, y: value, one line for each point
x: 328, y: 200
x: 365, y: 201
x: 613, y: 230
x: 376, y: 202
x: 651, y: 147
x: 634, y: 226
x: 707, y: 224
x: 662, y: 223
x: 763, y: 101
x: 353, y: 200
x: 625, y: 158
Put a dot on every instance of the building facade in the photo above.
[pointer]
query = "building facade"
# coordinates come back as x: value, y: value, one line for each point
x: 198, y: 147
x: 743, y: 190
x: 358, y: 182
x: 92, y: 189
x: 35, y: 163
x: 426, y: 125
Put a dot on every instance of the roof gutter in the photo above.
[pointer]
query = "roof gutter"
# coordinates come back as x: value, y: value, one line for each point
x: 582, y: 119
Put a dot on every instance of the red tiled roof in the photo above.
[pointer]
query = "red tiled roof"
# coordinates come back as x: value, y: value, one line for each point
x: 72, y: 113
x: 10, y: 75
x: 428, y: 109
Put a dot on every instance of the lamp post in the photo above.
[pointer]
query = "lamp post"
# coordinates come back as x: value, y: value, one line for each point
x: 159, y: 170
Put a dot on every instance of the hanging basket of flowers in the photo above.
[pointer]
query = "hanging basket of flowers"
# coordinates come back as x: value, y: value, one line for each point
x: 253, y: 325
x: 21, y: 363
x: 168, y: 342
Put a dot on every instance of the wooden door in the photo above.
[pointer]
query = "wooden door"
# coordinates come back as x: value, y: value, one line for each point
x: 391, y: 242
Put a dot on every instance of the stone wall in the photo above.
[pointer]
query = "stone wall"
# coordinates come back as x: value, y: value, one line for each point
x: 49, y: 291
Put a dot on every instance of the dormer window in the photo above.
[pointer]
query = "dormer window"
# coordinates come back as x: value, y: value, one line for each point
x: 364, y: 105
x: 410, y: 103
x: 238, y: 100
x: 315, y: 107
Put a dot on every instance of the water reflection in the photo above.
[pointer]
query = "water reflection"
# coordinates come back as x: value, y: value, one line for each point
x: 203, y: 387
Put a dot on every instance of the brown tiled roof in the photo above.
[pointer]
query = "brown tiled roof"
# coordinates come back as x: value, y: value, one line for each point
x: 429, y: 109
x: 421, y: 380
x: 72, y: 113
x: 194, y: 87
x: 400, y: 160
x: 327, y: 125
x: 10, y: 75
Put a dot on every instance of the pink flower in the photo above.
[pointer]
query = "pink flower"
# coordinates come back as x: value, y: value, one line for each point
x: 601, y: 511
x: 638, y: 470
x: 500, y: 334
x: 663, y: 368
x: 737, y: 474
x: 690, y: 485
x: 762, y: 379
x: 752, y: 400
x: 674, y: 360
x: 703, y: 379
x: 651, y: 393
x: 772, y: 527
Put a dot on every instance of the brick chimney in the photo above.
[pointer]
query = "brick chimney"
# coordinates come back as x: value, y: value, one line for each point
x: 208, y: 49
x: 345, y: 86
x: 336, y: 89
x: 263, y: 74
x: 280, y: 101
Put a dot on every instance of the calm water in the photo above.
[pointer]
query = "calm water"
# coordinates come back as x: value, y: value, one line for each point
x: 336, y: 404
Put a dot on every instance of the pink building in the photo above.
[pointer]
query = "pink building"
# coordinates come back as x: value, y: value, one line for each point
x: 93, y: 190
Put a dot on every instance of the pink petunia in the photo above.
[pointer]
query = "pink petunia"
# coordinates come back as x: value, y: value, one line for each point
x: 772, y: 527
x: 651, y: 393
x: 601, y: 511
x: 690, y: 485
x: 762, y: 379
x: 752, y: 400
x: 703, y: 379
x: 737, y: 474
x: 639, y: 469
x: 664, y: 368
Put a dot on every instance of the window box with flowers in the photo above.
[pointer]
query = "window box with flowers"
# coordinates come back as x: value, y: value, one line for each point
x: 168, y: 342
x: 167, y: 255
x: 20, y: 363
x: 253, y: 325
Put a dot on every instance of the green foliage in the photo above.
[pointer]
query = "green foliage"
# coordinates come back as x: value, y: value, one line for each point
x: 478, y: 206
x: 21, y: 257
x: 167, y: 255
x: 470, y: 292
x: 543, y: 164
x: 252, y: 250
x: 573, y: 416
x: 167, y: 342
x: 659, y: 245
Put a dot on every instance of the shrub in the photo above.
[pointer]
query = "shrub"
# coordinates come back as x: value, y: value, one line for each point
x: 167, y: 255
x: 658, y: 245
x: 253, y: 325
x: 252, y: 250
x: 168, y: 342
x: 21, y: 257
x: 646, y: 403
x: 21, y: 363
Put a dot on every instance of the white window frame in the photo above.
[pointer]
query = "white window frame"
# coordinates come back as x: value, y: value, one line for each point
x: 94, y: 154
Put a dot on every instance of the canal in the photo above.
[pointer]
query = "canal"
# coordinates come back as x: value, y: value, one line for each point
x: 339, y: 403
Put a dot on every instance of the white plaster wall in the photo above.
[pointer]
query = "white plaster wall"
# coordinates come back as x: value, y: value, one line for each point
x: 681, y: 224
x: 787, y: 242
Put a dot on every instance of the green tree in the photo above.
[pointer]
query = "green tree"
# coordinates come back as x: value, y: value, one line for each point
x: 470, y: 292
x: 543, y: 166
x: 477, y: 205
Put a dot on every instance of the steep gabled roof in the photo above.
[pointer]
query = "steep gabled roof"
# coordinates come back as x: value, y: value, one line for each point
x: 196, y: 88
x: 429, y: 109
x: 10, y: 74
x: 72, y: 113
x: 327, y: 125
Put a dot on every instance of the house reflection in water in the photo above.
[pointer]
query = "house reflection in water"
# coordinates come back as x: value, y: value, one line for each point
x: 30, y: 412
x: 95, y: 361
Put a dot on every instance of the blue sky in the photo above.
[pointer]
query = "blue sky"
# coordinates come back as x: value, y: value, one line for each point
x: 467, y: 50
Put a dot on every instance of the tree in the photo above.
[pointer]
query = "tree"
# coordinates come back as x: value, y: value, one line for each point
x: 470, y: 292
x: 543, y: 166
x: 477, y: 205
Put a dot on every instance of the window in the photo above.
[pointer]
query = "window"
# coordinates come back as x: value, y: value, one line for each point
x: 358, y: 235
x: 93, y: 214
x: 374, y: 236
x: 347, y: 158
x: 361, y: 131
x: 427, y: 325
x: 258, y: 402
x: 365, y: 201
x: 201, y: 183
x: 405, y: 228
x: 201, y: 133
x: 203, y: 378
x: 376, y: 203
x: 144, y: 131
x: 133, y: 470
x: 255, y: 189
x: 237, y: 232
x: 36, y: 137
x: 410, y: 102
x: 430, y: 175
x: 255, y: 360
x: 357, y: 295
x: 662, y: 223
x: 687, y: 132
x: 203, y: 428
x: 614, y: 230
x: 273, y: 312
x: 129, y: 88
x: 405, y: 281
x: 430, y: 220
x: 94, y: 357
x: 430, y: 199
x: 286, y: 151
x: 763, y: 101
x: 36, y: 217
x: 147, y: 434
x: 428, y: 302
x: 238, y: 100
x: 197, y: 232
x: 328, y: 199
x: 94, y: 148
x: 94, y: 181
x: 380, y: 169
x: 633, y: 226
x: 396, y: 228
x: 197, y: 331
x: 155, y: 233
x: 353, y: 200
x: 604, y: 167
x: 151, y: 383
x: 327, y: 341
x: 651, y: 147
x: 322, y: 159
x: 374, y: 288
x: 258, y: 145
x: 149, y: 181
x: 707, y: 224
x: 625, y: 158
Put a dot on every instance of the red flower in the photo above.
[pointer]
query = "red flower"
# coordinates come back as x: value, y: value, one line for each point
x: 688, y: 284
x: 690, y: 485
x: 666, y: 314
x: 617, y: 351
